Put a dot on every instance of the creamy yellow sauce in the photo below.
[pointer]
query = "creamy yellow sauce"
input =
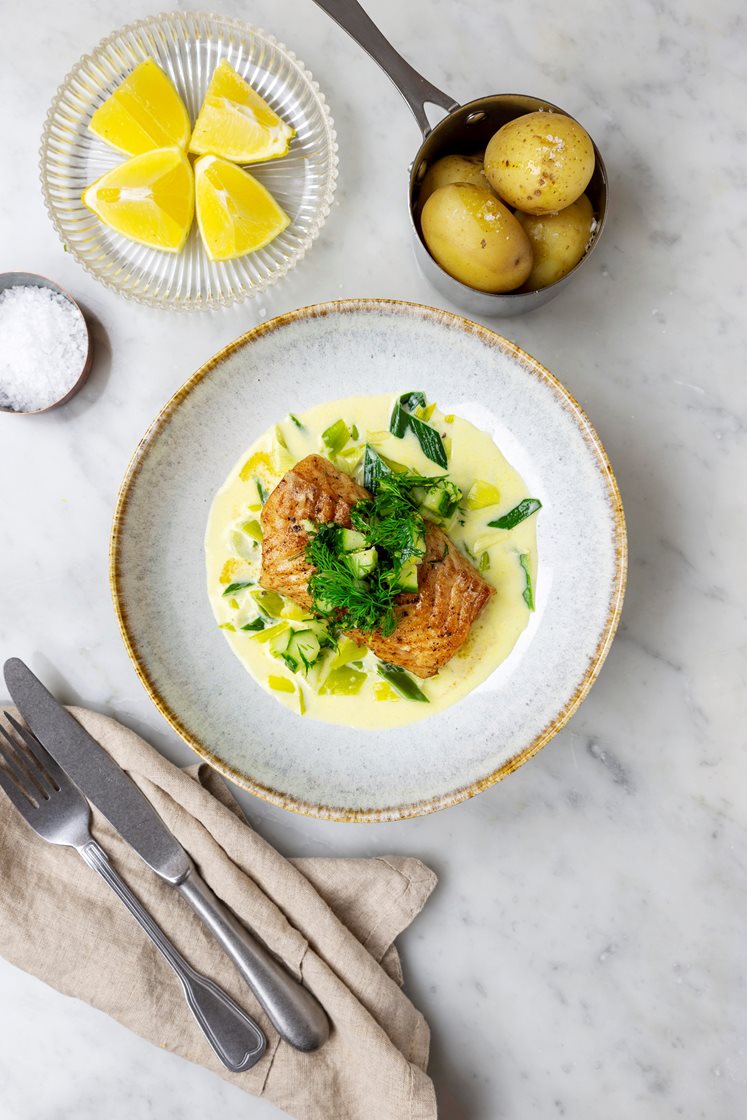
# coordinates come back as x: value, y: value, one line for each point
x: 233, y: 556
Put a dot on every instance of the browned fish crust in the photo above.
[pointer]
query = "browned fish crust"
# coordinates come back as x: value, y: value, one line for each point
x: 431, y: 625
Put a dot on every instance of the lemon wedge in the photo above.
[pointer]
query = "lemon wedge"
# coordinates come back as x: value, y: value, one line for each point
x: 235, y: 213
x: 143, y: 113
x: 236, y: 123
x: 149, y: 198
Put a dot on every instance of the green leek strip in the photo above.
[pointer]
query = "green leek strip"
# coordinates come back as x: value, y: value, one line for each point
x: 280, y: 437
x: 403, y: 420
x: 484, y: 564
x: 336, y: 436
x: 227, y: 626
x: 296, y: 421
x: 233, y: 587
x: 527, y: 593
x: 519, y: 513
x: 260, y: 491
x: 374, y: 468
x: 401, y: 682
x: 255, y: 624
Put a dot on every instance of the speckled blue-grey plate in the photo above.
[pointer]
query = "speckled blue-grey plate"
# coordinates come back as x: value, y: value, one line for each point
x: 158, y: 573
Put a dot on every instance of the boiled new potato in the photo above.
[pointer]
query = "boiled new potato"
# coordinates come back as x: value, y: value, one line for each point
x: 558, y: 241
x: 475, y: 238
x: 453, y: 169
x: 540, y: 163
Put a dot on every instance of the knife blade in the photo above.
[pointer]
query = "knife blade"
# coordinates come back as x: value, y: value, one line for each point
x: 97, y: 775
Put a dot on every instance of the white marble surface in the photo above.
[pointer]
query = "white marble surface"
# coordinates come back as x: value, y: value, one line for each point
x: 584, y: 952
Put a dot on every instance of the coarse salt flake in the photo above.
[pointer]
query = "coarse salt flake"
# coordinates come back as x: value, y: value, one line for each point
x: 43, y: 345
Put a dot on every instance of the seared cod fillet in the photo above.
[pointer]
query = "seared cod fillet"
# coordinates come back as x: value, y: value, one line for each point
x: 431, y: 625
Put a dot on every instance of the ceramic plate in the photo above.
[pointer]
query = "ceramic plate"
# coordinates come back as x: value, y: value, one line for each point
x: 158, y: 569
x: 188, y: 46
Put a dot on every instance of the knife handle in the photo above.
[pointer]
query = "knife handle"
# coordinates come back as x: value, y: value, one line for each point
x: 235, y: 1038
x: 296, y: 1014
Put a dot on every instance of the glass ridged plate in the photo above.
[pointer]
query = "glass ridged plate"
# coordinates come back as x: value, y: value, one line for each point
x: 188, y: 47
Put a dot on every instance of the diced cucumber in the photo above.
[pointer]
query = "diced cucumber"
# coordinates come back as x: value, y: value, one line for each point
x: 442, y: 499
x: 278, y: 644
x: 482, y: 494
x: 351, y: 540
x: 336, y: 436
x: 321, y: 632
x: 304, y: 648
x: 362, y: 563
x: 407, y: 579
x: 437, y: 501
x: 343, y: 682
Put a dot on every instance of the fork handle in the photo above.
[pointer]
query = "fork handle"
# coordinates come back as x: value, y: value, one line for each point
x: 293, y: 1010
x: 235, y: 1038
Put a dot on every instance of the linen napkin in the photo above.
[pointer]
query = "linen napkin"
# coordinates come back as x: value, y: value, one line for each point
x: 332, y: 921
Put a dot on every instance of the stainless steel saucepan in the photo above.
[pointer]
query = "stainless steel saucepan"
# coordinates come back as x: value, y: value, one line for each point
x: 464, y: 129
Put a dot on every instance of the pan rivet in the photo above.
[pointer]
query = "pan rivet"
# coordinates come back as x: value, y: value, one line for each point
x: 473, y: 118
x: 422, y: 168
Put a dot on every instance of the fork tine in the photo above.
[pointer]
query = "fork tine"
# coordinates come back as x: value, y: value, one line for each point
x: 40, y: 756
x: 13, y: 780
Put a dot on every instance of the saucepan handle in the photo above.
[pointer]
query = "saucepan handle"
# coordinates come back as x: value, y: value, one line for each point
x: 416, y: 90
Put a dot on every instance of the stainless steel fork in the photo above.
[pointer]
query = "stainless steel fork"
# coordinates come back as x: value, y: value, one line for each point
x: 56, y: 809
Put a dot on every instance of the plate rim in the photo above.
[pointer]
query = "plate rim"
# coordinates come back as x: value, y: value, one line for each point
x: 614, y: 608
x: 191, y: 304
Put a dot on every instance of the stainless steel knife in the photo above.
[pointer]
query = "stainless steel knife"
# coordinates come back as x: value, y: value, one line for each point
x: 295, y: 1013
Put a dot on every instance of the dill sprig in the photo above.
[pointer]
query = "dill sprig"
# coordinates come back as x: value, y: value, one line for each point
x: 391, y: 521
x: 392, y: 524
x: 352, y: 603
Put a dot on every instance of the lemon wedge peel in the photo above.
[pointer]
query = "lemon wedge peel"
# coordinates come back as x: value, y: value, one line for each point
x: 237, y: 124
x: 235, y: 213
x: 148, y: 198
x: 143, y: 113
